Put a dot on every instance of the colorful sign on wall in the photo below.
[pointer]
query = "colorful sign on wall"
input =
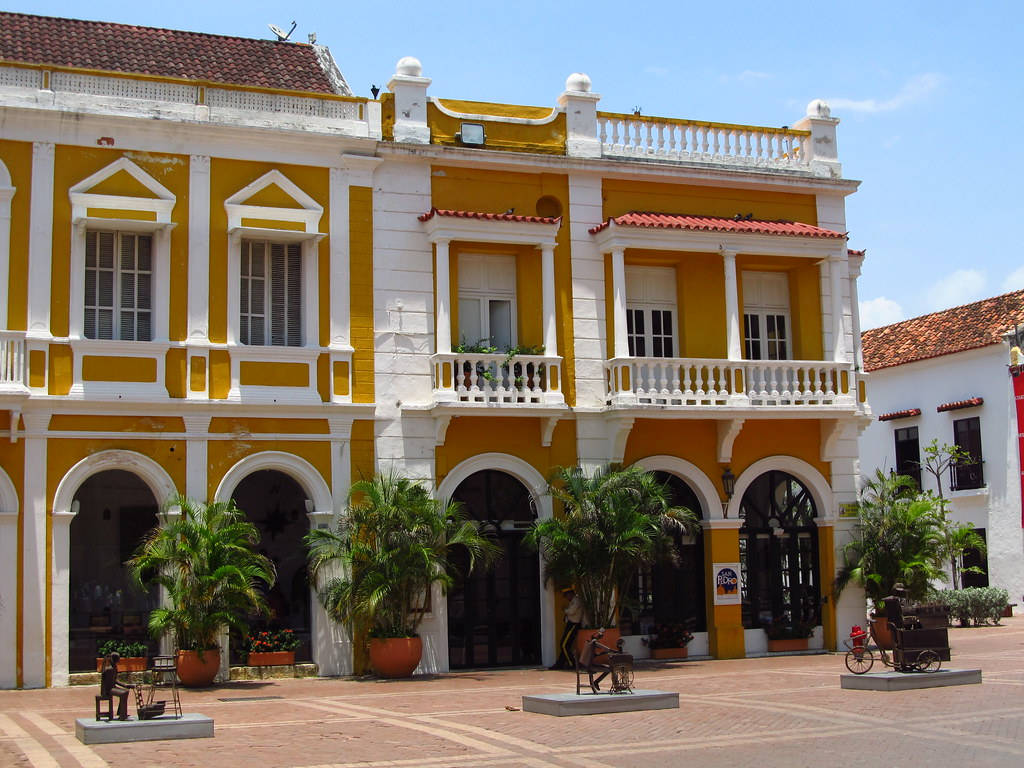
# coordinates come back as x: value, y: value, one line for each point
x: 727, y: 583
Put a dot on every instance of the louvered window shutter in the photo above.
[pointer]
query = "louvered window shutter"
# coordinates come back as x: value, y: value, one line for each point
x: 285, y: 294
x: 99, y: 285
x: 118, y: 286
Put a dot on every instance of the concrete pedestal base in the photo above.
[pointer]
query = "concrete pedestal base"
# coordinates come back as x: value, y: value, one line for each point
x: 188, y: 726
x: 569, y: 704
x: 911, y: 681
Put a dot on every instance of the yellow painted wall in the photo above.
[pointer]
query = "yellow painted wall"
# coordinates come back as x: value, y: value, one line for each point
x: 36, y: 367
x: 73, y: 164
x: 625, y: 195
x: 175, y: 375
x: 474, y: 189
x: 360, y: 206
x: 61, y: 369
x: 256, y: 426
x: 220, y: 374
x: 725, y: 622
x: 273, y: 374
x: 827, y: 568
x: 774, y: 437
x: 17, y: 156
x: 804, y: 300
x: 222, y: 455
x: 111, y: 423
x: 228, y: 177
x: 140, y: 369
x: 690, y: 439
x: 536, y: 139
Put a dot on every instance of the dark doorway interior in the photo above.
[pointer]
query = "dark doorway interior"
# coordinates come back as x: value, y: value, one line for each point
x: 276, y: 505
x: 115, y: 510
x: 494, y: 617
x: 973, y: 557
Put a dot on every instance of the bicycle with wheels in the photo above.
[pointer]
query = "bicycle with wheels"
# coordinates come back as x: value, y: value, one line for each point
x: 905, y: 656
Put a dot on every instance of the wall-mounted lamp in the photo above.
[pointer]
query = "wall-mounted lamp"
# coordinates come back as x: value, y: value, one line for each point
x: 728, y: 485
x: 471, y: 135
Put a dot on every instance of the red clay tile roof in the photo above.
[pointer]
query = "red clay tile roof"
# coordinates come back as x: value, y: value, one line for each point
x: 969, y: 403
x: 900, y: 414
x: 715, y: 224
x: 942, y: 333
x: 488, y: 216
x: 111, y: 47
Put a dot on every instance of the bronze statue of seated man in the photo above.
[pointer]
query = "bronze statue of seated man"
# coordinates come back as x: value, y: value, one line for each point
x: 589, y: 661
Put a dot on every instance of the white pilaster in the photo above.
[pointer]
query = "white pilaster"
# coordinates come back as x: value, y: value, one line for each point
x: 589, y: 319
x: 853, y: 264
x: 6, y: 193
x: 40, y: 240
x: 340, y: 260
x: 9, y: 574
x: 199, y: 248
x: 60, y: 596
x: 835, y: 271
x: 732, y: 306
x: 34, y: 565
x: 442, y: 299
x: 548, y: 298
x: 196, y: 481
x: 621, y: 346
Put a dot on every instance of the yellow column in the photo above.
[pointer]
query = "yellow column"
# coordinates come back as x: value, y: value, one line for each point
x: 827, y: 569
x: 725, y: 622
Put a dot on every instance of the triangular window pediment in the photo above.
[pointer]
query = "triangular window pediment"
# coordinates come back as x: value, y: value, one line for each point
x: 122, y: 185
x: 273, y: 197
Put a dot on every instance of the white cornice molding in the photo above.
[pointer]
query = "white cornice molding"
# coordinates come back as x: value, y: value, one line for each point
x: 441, y: 228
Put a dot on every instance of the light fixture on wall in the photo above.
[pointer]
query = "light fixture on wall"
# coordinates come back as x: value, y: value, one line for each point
x: 471, y: 135
x: 728, y: 485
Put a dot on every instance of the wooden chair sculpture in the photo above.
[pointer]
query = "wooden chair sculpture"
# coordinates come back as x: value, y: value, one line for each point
x: 163, y: 676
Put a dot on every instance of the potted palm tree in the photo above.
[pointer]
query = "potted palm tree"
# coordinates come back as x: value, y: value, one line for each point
x: 378, y: 566
x: 899, y: 538
x: 613, y: 522
x: 206, y: 561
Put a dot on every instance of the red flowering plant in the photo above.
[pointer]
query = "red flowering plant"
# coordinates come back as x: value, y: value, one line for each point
x: 272, y: 640
x: 670, y: 636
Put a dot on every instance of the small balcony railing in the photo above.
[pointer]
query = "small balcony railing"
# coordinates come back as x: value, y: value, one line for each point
x: 664, y: 381
x: 497, y: 379
x: 12, y: 362
x: 967, y: 476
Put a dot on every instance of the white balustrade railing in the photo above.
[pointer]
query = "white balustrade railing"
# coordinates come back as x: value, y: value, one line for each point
x: 664, y: 138
x: 667, y: 381
x: 497, y: 379
x: 12, y: 361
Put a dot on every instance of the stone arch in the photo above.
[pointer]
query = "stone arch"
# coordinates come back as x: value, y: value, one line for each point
x: 815, y: 482
x: 694, y: 477
x: 297, y: 468
x: 8, y: 495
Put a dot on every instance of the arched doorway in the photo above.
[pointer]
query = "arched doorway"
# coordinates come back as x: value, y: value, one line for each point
x: 494, y: 617
x: 115, y: 511
x: 670, y: 593
x: 779, y: 552
x: 276, y: 505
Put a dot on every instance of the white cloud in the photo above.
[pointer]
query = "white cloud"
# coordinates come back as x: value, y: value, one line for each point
x: 1014, y: 281
x: 878, y: 312
x: 916, y: 88
x: 960, y: 287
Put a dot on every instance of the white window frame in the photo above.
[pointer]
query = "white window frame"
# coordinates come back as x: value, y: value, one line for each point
x: 489, y: 294
x: 642, y: 297
x: 762, y: 308
x: 117, y: 289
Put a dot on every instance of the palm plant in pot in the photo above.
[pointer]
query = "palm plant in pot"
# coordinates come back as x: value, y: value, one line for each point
x: 613, y: 522
x: 899, y: 538
x: 205, y: 559
x: 377, y: 568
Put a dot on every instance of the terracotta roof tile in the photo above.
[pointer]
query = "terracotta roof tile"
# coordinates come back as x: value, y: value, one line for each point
x: 488, y: 216
x: 716, y: 224
x: 956, y: 406
x: 161, y: 52
x: 942, y: 333
x: 906, y: 414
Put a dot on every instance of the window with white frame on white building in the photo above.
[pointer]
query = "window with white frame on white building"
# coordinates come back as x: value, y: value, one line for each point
x: 270, y: 301
x: 767, y: 328
x: 967, y: 475
x: 651, y: 311
x: 487, y: 299
x: 118, y: 299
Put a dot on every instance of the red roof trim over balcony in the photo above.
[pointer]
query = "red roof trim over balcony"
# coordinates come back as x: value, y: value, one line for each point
x: 900, y: 414
x: 716, y: 224
x: 955, y: 406
x: 488, y: 216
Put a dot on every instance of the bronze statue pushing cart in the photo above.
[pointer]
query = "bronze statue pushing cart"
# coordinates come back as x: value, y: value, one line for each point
x: 920, y: 639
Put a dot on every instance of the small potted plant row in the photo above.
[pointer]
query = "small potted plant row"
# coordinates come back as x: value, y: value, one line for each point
x: 785, y: 635
x: 272, y: 648
x: 669, y: 641
x: 133, y: 655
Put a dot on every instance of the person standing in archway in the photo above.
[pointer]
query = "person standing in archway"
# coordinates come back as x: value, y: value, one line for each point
x: 573, y: 620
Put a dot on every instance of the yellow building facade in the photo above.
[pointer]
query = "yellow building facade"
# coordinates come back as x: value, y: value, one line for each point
x: 270, y: 292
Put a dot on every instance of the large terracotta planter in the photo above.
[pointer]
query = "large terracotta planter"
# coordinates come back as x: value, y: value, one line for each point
x: 787, y: 644
x: 668, y: 653
x: 881, y: 632
x: 195, y: 672
x: 611, y: 637
x: 395, y: 656
x: 127, y: 664
x: 271, y: 658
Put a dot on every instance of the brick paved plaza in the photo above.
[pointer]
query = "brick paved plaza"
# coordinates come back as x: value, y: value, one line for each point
x: 781, y: 711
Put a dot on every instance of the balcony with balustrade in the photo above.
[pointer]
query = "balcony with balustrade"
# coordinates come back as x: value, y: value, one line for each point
x: 13, y: 368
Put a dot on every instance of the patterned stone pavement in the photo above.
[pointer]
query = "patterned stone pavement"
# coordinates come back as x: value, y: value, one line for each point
x: 780, y: 711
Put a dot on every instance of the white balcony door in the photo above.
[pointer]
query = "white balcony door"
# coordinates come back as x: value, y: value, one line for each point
x: 767, y: 328
x: 487, y: 300
x: 651, y: 312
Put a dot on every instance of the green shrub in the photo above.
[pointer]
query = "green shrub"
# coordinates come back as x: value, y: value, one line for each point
x: 124, y: 649
x: 975, y: 605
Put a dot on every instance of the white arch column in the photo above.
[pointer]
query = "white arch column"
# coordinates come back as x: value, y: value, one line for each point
x: 8, y: 580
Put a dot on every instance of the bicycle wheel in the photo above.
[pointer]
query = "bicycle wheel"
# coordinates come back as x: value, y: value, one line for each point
x: 928, y: 661
x: 859, y: 661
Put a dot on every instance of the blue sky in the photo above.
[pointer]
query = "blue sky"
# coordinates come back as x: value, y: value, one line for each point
x: 931, y: 98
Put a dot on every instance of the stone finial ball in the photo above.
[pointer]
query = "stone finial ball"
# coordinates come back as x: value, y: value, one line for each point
x: 409, y: 65
x: 577, y: 81
x: 818, y: 108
